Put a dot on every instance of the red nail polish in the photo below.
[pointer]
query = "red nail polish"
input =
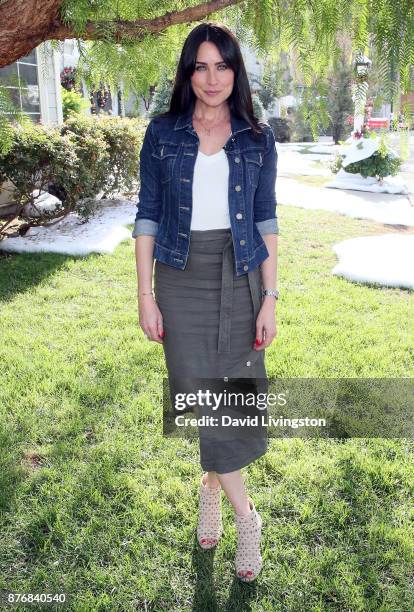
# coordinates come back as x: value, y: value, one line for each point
x: 162, y: 334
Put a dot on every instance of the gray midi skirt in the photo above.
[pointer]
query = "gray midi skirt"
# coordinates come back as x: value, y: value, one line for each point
x: 209, y: 318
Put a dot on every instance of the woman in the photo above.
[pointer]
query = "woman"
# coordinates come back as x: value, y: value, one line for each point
x: 207, y: 215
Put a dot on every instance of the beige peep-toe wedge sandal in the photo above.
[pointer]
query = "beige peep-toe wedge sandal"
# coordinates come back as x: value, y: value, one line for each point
x: 248, y: 560
x: 210, y: 526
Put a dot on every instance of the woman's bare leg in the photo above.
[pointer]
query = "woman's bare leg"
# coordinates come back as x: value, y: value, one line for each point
x: 211, y: 480
x: 235, y: 490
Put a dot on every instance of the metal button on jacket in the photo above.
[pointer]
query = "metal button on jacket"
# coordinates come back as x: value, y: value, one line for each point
x: 237, y: 188
x: 239, y: 216
x: 242, y: 242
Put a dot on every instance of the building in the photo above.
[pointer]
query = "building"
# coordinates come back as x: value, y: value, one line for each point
x: 34, y: 82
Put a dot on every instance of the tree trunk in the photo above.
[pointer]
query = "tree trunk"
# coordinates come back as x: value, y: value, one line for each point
x: 24, y: 25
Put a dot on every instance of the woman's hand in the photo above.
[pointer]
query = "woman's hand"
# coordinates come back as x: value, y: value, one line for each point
x: 150, y: 318
x: 265, y: 324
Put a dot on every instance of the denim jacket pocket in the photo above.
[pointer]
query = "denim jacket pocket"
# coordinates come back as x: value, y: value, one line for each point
x: 166, y: 154
x: 254, y: 162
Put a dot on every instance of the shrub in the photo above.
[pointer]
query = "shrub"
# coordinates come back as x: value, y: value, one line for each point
x: 92, y: 153
x: 124, y: 138
x: 378, y: 165
x: 73, y: 103
x: 281, y: 128
x: 74, y: 162
x: 38, y: 157
x: 336, y: 163
x: 381, y: 163
x: 118, y: 169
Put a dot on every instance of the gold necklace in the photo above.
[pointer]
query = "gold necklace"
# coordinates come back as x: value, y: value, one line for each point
x: 208, y: 129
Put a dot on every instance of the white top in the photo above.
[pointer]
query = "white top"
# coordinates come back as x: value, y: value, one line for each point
x: 210, y: 192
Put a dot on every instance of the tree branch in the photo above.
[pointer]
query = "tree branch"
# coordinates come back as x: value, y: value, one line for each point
x: 138, y: 28
x: 25, y: 24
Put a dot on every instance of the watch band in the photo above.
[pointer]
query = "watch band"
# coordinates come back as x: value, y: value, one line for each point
x: 273, y: 292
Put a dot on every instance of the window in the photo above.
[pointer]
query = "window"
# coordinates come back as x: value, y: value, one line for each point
x: 21, y: 80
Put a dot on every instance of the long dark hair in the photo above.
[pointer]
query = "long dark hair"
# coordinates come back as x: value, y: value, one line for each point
x: 240, y: 99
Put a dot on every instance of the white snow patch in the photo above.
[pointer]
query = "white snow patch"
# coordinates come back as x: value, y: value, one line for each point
x: 43, y: 202
x: 356, y: 182
x: 386, y: 260
x: 101, y: 234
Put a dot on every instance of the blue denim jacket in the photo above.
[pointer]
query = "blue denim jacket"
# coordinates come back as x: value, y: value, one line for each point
x: 167, y: 160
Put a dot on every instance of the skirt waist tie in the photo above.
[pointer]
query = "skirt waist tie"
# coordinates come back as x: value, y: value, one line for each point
x: 226, y: 301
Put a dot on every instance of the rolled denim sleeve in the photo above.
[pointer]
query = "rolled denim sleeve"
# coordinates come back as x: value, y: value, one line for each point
x: 150, y: 195
x: 265, y: 204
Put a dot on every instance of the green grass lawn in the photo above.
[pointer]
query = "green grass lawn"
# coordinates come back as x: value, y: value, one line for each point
x: 94, y: 502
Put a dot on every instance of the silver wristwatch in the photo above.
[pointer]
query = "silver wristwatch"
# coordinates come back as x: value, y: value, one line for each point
x: 273, y: 292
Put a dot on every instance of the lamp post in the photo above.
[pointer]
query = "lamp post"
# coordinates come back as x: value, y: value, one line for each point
x: 359, y: 96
